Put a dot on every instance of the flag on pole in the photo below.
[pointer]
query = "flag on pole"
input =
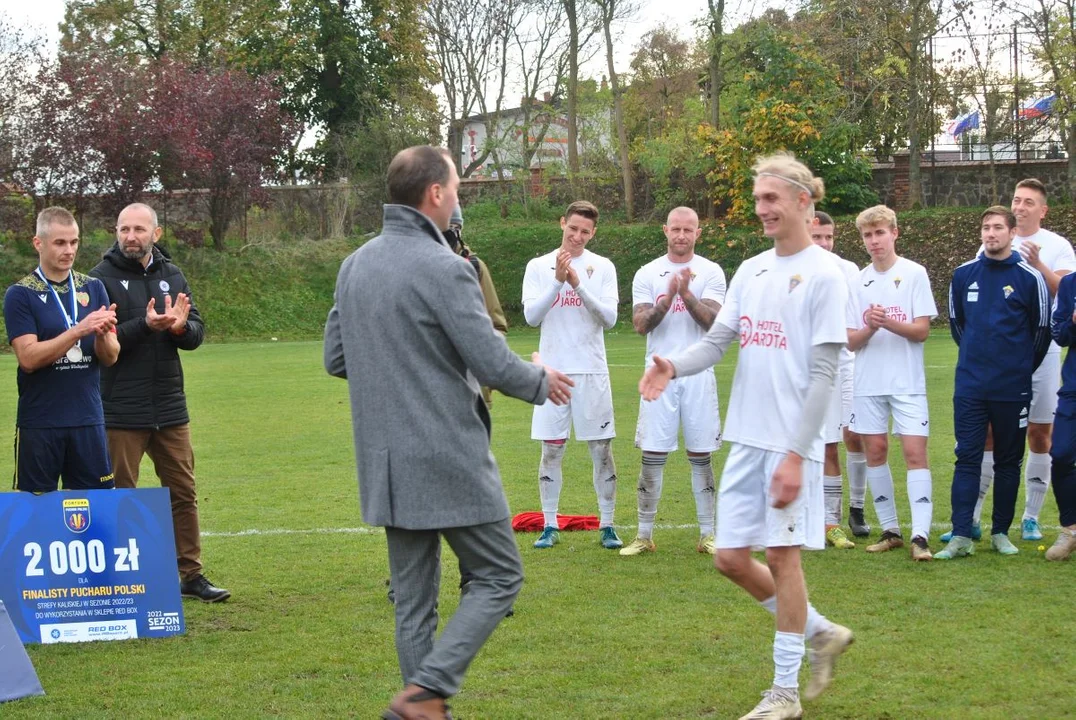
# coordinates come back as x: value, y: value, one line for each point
x: 962, y: 124
x: 1038, y: 108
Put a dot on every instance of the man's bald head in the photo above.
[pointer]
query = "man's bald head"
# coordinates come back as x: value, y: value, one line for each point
x: 684, y: 213
x: 681, y: 231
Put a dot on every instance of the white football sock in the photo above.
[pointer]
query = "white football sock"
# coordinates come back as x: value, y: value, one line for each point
x: 857, y: 479
x: 921, y: 498
x: 788, y: 650
x: 832, y: 487
x: 649, y: 492
x: 601, y: 454
x: 550, y: 481
x: 816, y: 621
x: 986, y: 479
x: 702, y: 485
x: 1037, y: 483
x: 880, y: 480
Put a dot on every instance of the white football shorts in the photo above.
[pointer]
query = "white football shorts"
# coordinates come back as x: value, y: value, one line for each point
x: 746, y: 516
x: 691, y: 401
x: 1044, y: 386
x: 590, y: 412
x: 871, y: 413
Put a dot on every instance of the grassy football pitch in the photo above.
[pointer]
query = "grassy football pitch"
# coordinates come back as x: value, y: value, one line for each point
x: 309, y: 633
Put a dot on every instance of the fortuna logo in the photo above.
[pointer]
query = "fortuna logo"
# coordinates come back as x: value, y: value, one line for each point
x: 124, y: 283
x: 1007, y: 290
x: 973, y: 286
x: 764, y: 333
x: 44, y: 298
x: 794, y: 282
x: 896, y: 282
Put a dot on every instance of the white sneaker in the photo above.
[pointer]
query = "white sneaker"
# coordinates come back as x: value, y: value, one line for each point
x: 822, y: 652
x: 777, y: 704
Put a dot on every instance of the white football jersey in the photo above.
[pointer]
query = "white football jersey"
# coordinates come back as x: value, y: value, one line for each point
x: 889, y: 364
x: 1055, y: 252
x: 572, y: 339
x: 782, y: 306
x: 677, y: 330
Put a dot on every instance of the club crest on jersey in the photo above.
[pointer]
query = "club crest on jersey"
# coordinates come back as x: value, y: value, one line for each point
x: 794, y: 282
x: 77, y: 514
x: 1007, y: 290
x: 165, y: 287
x: 590, y: 271
x: 896, y: 282
x: 83, y: 298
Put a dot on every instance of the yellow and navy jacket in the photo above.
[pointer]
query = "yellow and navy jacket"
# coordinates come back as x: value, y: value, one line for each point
x: 999, y: 315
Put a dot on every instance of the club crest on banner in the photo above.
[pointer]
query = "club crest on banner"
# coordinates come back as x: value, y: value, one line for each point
x: 794, y: 282
x: 77, y: 514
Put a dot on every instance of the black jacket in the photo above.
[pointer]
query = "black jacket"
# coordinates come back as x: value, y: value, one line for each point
x: 144, y: 389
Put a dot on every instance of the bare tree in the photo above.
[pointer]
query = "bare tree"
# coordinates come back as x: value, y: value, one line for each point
x: 910, y: 36
x: 542, y: 54
x: 716, y: 43
x: 582, y: 26
x: 611, y: 11
x: 1053, y: 23
x: 455, y: 37
x: 972, y: 18
x: 472, y: 40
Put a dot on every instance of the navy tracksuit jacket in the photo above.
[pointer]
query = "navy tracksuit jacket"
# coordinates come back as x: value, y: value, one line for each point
x: 999, y: 315
x: 1063, y: 447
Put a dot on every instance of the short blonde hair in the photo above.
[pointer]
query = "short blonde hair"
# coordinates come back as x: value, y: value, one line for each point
x: 55, y: 215
x: 877, y: 215
x: 785, y: 166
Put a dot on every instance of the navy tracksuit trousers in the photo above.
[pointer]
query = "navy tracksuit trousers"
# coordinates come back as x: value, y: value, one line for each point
x: 970, y: 419
x: 1063, y: 454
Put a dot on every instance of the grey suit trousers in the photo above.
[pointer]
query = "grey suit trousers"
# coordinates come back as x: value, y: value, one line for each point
x: 490, y: 554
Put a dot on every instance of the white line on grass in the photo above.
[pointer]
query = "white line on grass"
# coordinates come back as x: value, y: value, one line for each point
x: 380, y: 531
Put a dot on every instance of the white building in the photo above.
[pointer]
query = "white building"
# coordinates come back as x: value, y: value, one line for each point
x: 547, y: 136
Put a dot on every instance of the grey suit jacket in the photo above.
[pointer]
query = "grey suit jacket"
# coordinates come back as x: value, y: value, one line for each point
x: 409, y: 331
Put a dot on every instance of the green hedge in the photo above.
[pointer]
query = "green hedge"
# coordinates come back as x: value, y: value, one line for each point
x: 285, y: 290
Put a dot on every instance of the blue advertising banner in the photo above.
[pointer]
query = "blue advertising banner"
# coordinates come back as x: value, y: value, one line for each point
x: 89, y: 565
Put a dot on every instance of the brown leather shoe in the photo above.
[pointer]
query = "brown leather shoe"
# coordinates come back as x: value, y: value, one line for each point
x: 417, y: 703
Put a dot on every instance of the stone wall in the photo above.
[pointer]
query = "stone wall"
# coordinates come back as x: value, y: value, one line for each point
x: 324, y: 211
x: 967, y: 184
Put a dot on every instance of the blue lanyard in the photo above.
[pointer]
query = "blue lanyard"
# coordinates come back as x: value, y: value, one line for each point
x: 68, y: 322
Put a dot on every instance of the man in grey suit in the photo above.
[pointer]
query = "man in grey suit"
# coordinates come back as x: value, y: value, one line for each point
x: 410, y: 332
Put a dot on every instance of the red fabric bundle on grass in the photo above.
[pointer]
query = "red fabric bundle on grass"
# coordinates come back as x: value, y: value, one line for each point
x: 535, y: 522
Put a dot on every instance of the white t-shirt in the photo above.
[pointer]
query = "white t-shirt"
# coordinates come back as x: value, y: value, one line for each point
x: 677, y: 330
x: 889, y: 364
x: 782, y: 307
x: 1054, y: 251
x: 851, y: 275
x: 572, y: 339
